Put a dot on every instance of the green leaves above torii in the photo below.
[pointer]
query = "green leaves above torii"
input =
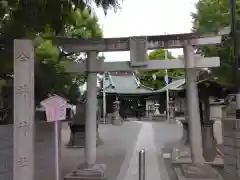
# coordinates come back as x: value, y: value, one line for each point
x: 50, y: 76
x: 211, y: 16
x: 146, y: 77
x: 35, y: 14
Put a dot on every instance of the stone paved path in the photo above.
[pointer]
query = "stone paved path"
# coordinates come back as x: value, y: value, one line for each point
x: 153, y: 136
x: 145, y: 141
x: 118, y: 141
x: 120, y: 149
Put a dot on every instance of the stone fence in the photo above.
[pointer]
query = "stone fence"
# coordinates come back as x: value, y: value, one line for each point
x: 44, y: 151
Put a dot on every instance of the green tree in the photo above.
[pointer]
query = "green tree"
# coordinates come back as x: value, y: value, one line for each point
x: 35, y: 15
x: 82, y: 24
x: 50, y: 76
x: 146, y: 76
x: 39, y: 20
x: 211, y: 16
x: 26, y: 18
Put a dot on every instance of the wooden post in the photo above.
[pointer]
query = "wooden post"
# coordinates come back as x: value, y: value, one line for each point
x: 23, y: 165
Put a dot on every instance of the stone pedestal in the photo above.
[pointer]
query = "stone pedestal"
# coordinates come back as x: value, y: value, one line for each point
x: 77, y: 127
x: 184, y: 168
x: 185, y: 137
x: 96, y: 172
x: 150, y: 117
x: 77, y: 139
x: 157, y: 118
x: 116, y: 119
x: 209, y: 143
x: 193, y: 171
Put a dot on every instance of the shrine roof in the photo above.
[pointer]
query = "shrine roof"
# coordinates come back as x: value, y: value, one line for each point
x: 174, y: 85
x: 124, y: 83
x: 214, y: 88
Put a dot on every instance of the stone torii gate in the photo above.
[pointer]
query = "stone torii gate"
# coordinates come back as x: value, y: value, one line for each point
x: 138, y: 47
x: 24, y: 130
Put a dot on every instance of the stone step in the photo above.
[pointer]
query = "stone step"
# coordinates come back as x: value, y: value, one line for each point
x: 107, y: 121
x: 96, y: 172
x: 191, y: 171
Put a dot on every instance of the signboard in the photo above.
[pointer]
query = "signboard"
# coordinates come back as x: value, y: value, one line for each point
x: 138, y: 51
x: 55, y: 107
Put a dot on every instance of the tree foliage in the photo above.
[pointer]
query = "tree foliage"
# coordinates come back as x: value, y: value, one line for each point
x: 147, y: 76
x: 83, y: 24
x: 35, y: 15
x: 211, y: 16
x: 50, y: 75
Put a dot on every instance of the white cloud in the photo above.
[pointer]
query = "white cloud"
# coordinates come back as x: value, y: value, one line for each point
x: 136, y: 17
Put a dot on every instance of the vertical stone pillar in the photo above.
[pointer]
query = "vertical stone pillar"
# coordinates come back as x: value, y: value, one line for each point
x: 90, y: 170
x: 91, y: 109
x: 24, y: 107
x: 193, y: 106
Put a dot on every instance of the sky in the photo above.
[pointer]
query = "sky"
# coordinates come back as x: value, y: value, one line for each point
x: 151, y: 17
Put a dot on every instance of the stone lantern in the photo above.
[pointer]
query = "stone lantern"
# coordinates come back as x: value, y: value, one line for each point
x: 116, y: 119
x: 156, y: 115
x: 172, y: 109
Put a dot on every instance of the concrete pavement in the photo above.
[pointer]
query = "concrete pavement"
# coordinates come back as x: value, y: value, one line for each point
x: 118, y: 142
x: 145, y: 141
x: 120, y: 149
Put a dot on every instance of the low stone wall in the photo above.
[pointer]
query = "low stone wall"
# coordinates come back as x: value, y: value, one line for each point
x: 6, y: 152
x: 231, y: 149
x: 44, y: 149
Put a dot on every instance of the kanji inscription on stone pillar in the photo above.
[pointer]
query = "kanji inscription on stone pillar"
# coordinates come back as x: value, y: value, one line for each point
x: 24, y: 107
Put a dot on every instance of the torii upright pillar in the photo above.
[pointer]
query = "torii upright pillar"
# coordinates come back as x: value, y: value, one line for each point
x: 91, y: 109
x: 193, y: 105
